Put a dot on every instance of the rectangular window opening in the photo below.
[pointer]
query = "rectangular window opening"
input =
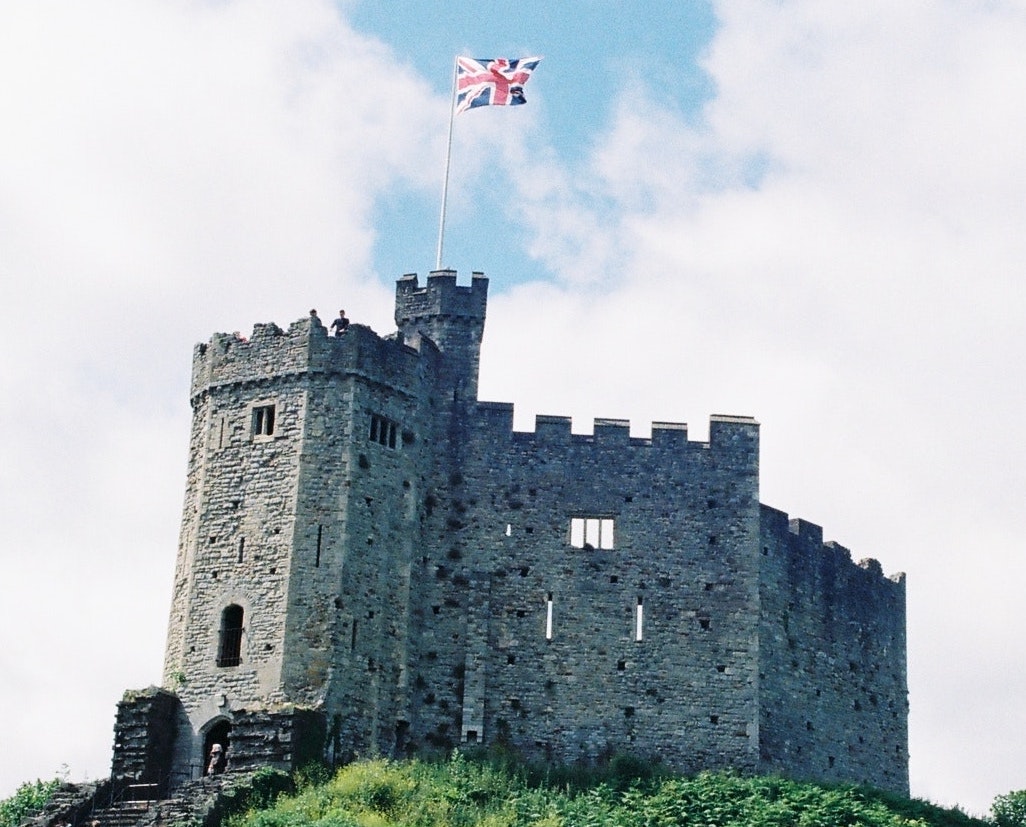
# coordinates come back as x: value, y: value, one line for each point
x: 317, y: 558
x: 592, y: 532
x: 242, y: 549
x: 383, y: 431
x: 639, y: 620
x: 263, y: 420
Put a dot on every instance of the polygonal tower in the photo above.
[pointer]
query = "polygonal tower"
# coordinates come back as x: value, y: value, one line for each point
x: 307, y: 465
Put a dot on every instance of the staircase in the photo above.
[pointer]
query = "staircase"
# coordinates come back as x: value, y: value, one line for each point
x: 194, y: 804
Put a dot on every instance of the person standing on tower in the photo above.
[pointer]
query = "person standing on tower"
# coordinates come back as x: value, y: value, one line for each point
x: 341, y: 324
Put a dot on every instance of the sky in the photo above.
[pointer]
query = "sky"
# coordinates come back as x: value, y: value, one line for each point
x: 808, y: 212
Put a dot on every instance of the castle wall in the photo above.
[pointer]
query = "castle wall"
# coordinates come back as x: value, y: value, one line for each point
x: 423, y: 576
x: 685, y: 522
x: 832, y: 656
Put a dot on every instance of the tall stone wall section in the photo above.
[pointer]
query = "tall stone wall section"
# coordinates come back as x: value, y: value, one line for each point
x: 832, y: 657
x: 406, y: 569
x: 557, y: 668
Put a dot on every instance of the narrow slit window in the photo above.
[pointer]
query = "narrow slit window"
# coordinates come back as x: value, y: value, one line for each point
x: 592, y: 532
x: 548, y: 616
x: 639, y: 620
x: 229, y: 649
x: 317, y: 557
x: 263, y: 420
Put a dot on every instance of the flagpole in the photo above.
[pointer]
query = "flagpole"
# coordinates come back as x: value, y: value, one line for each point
x: 445, y: 180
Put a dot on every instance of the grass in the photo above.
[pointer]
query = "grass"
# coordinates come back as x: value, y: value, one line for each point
x: 465, y: 793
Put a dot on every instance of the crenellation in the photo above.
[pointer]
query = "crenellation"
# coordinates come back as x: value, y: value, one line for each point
x: 365, y: 542
x: 612, y: 432
x: 809, y: 534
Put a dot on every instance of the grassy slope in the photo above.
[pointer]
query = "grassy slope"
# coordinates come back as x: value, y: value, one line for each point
x: 462, y: 793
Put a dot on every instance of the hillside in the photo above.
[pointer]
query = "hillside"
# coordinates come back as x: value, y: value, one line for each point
x: 463, y: 793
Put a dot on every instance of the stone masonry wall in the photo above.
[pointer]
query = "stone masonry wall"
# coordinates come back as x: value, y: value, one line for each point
x: 685, y: 517
x: 144, y: 734
x: 832, y: 651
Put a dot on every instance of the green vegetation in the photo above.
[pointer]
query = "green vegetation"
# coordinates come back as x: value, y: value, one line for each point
x: 28, y: 799
x: 465, y: 793
x: 1010, y: 810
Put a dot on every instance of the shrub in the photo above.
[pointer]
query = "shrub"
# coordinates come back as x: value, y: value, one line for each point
x: 1010, y: 810
x: 29, y: 799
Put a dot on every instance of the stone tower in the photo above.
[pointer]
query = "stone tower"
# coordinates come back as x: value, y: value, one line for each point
x: 372, y: 561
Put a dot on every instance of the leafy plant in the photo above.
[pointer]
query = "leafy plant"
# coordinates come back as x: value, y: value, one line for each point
x: 27, y: 800
x: 1010, y: 810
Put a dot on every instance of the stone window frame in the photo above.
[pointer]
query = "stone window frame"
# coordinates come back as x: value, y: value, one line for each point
x: 263, y: 420
x: 592, y: 532
x: 383, y: 431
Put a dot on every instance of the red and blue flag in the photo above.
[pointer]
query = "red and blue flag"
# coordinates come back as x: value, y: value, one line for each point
x: 498, y: 82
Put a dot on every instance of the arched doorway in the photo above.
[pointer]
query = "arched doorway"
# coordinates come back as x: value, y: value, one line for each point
x: 220, y: 734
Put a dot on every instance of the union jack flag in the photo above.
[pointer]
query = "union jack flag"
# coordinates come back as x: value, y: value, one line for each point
x: 498, y: 82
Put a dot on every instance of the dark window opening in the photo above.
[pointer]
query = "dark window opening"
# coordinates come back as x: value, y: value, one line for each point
x: 471, y: 736
x: 382, y: 431
x: 263, y: 420
x: 229, y: 650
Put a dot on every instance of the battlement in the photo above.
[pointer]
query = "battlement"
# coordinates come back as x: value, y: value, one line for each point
x: 737, y: 432
x: 441, y: 296
x: 271, y: 352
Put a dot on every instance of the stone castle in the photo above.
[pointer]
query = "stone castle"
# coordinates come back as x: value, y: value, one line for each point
x: 373, y: 561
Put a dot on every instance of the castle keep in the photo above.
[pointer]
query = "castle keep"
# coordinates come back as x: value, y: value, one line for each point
x: 373, y: 561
